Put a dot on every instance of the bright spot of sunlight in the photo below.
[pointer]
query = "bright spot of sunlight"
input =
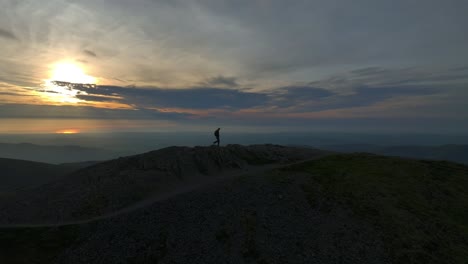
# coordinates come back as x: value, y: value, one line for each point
x: 72, y: 73
x: 68, y: 131
x: 61, y: 86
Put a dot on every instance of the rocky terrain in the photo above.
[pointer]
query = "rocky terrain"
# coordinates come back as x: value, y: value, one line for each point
x: 302, y: 207
x: 255, y: 219
x: 116, y: 184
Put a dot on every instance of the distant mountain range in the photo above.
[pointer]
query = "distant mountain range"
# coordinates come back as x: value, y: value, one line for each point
x: 54, y: 154
x: 456, y: 153
x: 21, y: 174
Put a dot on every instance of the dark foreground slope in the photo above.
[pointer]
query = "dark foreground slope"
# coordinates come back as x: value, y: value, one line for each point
x: 110, y: 186
x: 418, y: 206
x: 349, y: 208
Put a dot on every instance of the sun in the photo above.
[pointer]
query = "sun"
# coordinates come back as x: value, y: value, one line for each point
x: 60, y: 87
x: 67, y: 131
x: 70, y: 72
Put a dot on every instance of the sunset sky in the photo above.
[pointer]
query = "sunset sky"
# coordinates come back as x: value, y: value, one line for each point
x: 157, y: 65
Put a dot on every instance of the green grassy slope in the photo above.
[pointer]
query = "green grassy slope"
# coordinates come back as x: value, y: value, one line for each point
x: 421, y: 207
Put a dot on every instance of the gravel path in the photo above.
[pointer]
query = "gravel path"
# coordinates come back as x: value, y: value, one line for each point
x: 156, y: 198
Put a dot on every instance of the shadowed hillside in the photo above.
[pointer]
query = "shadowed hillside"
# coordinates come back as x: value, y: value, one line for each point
x: 340, y: 208
x: 21, y: 174
x: 113, y: 185
x: 419, y: 206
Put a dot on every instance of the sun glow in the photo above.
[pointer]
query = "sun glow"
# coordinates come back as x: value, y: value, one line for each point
x: 72, y: 73
x: 68, y: 131
x: 59, y: 87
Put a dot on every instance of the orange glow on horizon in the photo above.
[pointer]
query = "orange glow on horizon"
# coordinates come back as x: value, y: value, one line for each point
x: 68, y: 131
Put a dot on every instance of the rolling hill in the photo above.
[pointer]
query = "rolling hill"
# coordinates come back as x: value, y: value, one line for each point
x: 21, y: 174
x: 53, y: 154
x: 455, y: 153
x: 109, y: 186
x: 300, y: 207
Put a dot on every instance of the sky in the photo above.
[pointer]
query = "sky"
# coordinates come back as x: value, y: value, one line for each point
x: 256, y: 65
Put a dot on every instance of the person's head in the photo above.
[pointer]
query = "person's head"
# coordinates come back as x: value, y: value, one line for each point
x: 219, y: 128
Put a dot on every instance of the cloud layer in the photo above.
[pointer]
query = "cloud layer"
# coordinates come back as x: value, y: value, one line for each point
x: 7, y: 34
x: 245, y: 62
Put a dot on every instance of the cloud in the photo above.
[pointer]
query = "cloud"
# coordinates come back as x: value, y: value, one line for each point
x: 179, y: 44
x: 393, y: 77
x: 94, y: 98
x: 306, y: 35
x: 366, y: 93
x: 305, y: 92
x: 222, y: 81
x: 14, y: 94
x: 212, y: 58
x: 359, y: 88
x: 90, y: 53
x: 312, y: 99
x: 295, y: 96
x: 412, y: 75
x: 84, y: 112
x: 369, y: 71
x: 366, y: 96
x: 298, y: 99
x: 7, y: 34
x: 190, y: 98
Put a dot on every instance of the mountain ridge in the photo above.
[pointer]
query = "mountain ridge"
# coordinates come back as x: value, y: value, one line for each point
x: 53, y: 154
x: 24, y: 174
x: 449, y: 152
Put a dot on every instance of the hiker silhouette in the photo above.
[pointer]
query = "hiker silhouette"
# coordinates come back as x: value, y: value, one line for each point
x: 216, y: 133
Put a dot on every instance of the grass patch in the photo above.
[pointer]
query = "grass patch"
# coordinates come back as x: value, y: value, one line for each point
x: 421, y: 207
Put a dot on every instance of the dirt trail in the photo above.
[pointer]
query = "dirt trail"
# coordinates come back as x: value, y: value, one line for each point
x: 160, y: 197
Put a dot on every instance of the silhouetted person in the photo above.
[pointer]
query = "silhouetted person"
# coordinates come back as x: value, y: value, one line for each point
x: 216, y: 133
